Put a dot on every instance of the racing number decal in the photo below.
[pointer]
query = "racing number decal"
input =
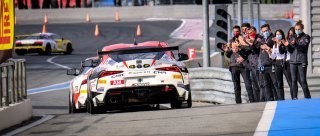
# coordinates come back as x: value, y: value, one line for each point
x: 117, y: 82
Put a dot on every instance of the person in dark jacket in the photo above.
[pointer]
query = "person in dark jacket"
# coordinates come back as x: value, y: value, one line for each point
x: 286, y: 69
x: 278, y: 55
x: 298, y: 47
x: 237, y: 68
x: 252, y: 44
x: 266, y: 64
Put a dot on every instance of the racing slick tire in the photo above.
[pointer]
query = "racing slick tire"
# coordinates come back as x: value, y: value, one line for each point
x: 91, y: 109
x: 176, y: 104
x: 47, y: 51
x: 72, y: 107
x: 69, y: 49
x: 21, y: 53
x: 189, y: 101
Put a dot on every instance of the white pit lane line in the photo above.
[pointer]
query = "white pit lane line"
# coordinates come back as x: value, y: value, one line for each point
x: 59, y: 65
x: 266, y: 119
x: 24, y: 128
x: 53, y: 87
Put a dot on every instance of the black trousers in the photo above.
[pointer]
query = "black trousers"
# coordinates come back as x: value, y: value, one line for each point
x: 235, y: 73
x: 301, y: 70
x: 287, y: 74
x: 279, y: 71
x: 269, y: 81
x: 256, y: 84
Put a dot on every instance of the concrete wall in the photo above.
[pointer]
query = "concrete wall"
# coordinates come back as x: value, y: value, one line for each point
x: 106, y: 14
x: 15, y: 114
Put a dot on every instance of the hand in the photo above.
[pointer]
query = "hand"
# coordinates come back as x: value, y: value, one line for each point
x: 240, y: 60
x: 234, y: 45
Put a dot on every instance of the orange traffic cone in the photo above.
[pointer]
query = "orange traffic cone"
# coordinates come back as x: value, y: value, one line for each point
x: 287, y: 14
x: 88, y: 18
x: 97, y: 32
x: 117, y: 17
x: 44, y: 28
x: 138, y: 33
x: 291, y: 15
x: 45, y: 20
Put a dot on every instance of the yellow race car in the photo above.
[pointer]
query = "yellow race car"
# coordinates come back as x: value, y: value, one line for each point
x: 42, y: 43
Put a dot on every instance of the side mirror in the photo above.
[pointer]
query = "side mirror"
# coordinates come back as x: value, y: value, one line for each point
x: 182, y: 56
x: 90, y: 63
x: 73, y: 72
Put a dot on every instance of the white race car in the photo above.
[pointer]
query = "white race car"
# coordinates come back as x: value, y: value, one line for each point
x: 138, y: 74
x: 42, y: 43
x: 78, y: 85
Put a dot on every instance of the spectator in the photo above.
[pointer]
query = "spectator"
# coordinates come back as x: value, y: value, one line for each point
x: 298, y: 47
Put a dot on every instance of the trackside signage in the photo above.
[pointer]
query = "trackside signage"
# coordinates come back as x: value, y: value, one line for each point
x: 6, y: 24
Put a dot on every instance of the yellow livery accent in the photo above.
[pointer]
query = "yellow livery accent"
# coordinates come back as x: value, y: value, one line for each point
x: 176, y: 76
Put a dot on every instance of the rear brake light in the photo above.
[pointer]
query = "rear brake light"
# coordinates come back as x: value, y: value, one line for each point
x: 18, y: 43
x: 172, y: 68
x: 108, y: 73
x: 84, y: 82
x: 38, y: 42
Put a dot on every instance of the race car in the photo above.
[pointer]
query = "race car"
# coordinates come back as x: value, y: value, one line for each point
x: 78, y: 85
x: 42, y: 43
x: 138, y: 74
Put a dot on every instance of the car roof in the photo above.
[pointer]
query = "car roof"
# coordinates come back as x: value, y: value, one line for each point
x: 143, y: 44
x: 48, y: 34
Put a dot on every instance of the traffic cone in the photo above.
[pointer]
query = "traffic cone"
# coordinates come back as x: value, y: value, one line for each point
x: 88, y: 18
x: 287, y: 14
x: 138, y: 33
x: 97, y: 32
x: 44, y: 28
x: 291, y: 15
x: 117, y: 17
x: 45, y: 20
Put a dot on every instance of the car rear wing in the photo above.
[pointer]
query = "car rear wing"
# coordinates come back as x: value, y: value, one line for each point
x: 138, y: 50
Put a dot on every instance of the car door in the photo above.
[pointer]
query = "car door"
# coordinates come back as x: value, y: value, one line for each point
x: 59, y: 42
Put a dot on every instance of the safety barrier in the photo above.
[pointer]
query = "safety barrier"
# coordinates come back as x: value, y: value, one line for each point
x: 12, y: 82
x: 213, y: 85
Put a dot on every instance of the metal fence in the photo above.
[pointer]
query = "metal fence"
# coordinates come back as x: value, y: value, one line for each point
x: 12, y: 82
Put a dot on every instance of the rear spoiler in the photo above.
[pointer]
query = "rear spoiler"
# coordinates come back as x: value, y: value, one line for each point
x: 139, y: 50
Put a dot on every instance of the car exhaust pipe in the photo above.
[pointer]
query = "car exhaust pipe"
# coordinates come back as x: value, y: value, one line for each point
x: 113, y: 100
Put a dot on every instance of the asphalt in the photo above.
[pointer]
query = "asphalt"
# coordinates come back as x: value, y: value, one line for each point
x: 202, y: 119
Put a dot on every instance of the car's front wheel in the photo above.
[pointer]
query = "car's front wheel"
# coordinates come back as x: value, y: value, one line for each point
x: 69, y: 49
x: 72, y: 107
x: 21, y: 53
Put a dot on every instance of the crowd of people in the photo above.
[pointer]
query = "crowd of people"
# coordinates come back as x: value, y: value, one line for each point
x: 263, y: 59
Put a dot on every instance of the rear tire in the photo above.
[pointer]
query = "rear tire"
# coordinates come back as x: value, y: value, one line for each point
x: 20, y: 53
x: 47, y: 50
x: 176, y: 104
x: 189, y: 101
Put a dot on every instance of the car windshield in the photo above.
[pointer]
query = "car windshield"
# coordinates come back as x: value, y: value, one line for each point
x: 137, y: 56
x: 85, y: 70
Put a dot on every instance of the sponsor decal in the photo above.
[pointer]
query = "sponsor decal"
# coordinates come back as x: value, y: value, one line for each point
x: 117, y: 75
x: 102, y: 81
x: 141, y: 84
x: 117, y: 82
x: 100, y: 89
x: 84, y: 91
x: 139, y: 72
x: 160, y: 72
x: 177, y: 76
x: 180, y: 85
x: 6, y: 24
x: 75, y: 89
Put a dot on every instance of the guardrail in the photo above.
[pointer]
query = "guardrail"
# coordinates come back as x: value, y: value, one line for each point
x: 214, y: 85
x: 12, y: 82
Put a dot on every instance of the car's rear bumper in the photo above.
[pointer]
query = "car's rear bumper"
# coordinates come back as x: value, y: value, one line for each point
x: 30, y: 49
x: 140, y: 95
